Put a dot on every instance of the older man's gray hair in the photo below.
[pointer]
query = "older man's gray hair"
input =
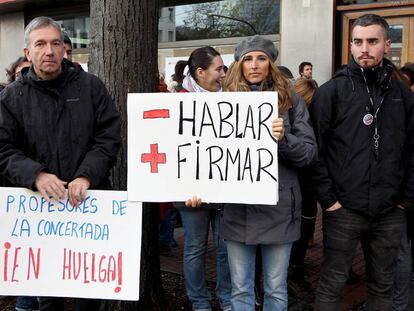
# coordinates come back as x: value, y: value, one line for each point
x: 40, y: 22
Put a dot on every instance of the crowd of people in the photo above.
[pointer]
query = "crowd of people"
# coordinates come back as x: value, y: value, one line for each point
x: 347, y: 145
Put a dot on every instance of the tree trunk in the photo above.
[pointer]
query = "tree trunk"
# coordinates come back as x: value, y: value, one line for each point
x: 124, y: 51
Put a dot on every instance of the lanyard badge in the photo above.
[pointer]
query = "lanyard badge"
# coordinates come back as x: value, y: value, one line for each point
x: 368, y: 119
x: 371, y: 116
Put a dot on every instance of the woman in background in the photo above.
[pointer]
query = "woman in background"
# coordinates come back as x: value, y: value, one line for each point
x: 13, y: 72
x: 298, y: 286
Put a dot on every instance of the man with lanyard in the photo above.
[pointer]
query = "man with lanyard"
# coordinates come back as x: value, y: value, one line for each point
x: 364, y: 178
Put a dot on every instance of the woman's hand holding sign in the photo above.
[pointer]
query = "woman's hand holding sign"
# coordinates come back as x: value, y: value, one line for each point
x: 193, y: 202
x: 278, y: 130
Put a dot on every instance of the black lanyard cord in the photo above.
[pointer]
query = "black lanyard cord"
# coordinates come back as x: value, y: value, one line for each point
x: 376, y: 136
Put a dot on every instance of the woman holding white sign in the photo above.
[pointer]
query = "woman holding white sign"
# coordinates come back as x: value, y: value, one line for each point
x: 206, y: 74
x: 273, y: 227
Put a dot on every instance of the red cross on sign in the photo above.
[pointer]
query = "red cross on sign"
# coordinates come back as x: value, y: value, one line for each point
x: 154, y: 158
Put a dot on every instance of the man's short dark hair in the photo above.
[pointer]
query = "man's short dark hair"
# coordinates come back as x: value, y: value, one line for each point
x: 372, y: 19
x: 66, y: 38
x: 302, y: 66
x: 286, y: 72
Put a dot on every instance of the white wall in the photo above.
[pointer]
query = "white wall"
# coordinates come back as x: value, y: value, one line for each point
x: 11, y: 40
x: 306, y: 28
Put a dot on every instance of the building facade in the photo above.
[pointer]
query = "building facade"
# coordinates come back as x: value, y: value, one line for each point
x: 304, y: 30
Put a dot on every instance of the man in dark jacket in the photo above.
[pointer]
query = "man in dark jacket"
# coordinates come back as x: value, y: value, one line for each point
x: 364, y: 178
x: 58, y: 128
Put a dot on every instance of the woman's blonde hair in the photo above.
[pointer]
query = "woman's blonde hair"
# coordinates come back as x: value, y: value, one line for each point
x: 305, y: 88
x: 235, y: 82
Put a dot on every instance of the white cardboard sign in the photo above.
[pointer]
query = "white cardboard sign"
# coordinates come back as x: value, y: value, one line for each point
x: 217, y: 146
x: 53, y: 249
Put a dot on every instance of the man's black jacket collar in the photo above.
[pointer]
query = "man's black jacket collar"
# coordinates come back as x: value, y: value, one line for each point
x: 69, y: 72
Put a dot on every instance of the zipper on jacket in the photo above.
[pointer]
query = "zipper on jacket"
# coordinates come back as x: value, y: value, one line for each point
x: 292, y: 204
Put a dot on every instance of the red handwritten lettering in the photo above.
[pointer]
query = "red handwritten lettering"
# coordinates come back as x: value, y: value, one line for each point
x: 12, y: 263
x: 85, y: 268
x: 118, y: 288
x: 101, y: 269
x: 66, y: 265
x: 34, y: 263
x: 111, y: 269
x: 15, y: 264
x: 93, y: 278
x: 7, y: 246
x: 76, y: 270
x: 95, y: 268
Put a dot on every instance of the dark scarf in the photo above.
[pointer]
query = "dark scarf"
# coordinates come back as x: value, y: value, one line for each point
x: 265, y: 85
x: 57, y: 84
x: 379, y: 75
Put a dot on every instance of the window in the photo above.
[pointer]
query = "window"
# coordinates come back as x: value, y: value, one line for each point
x: 171, y: 14
x: 77, y: 27
x: 349, y: 2
x: 222, y: 19
x: 170, y: 36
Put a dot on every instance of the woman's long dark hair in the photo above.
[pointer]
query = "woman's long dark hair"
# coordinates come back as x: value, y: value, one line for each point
x: 11, y: 71
x: 201, y: 58
x: 178, y: 75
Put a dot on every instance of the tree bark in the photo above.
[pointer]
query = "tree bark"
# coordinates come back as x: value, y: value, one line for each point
x: 124, y: 51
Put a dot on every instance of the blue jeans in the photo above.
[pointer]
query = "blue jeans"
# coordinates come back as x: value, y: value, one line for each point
x: 196, y: 223
x: 380, y: 238
x: 57, y: 304
x: 26, y: 303
x: 166, y: 231
x: 275, y: 260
